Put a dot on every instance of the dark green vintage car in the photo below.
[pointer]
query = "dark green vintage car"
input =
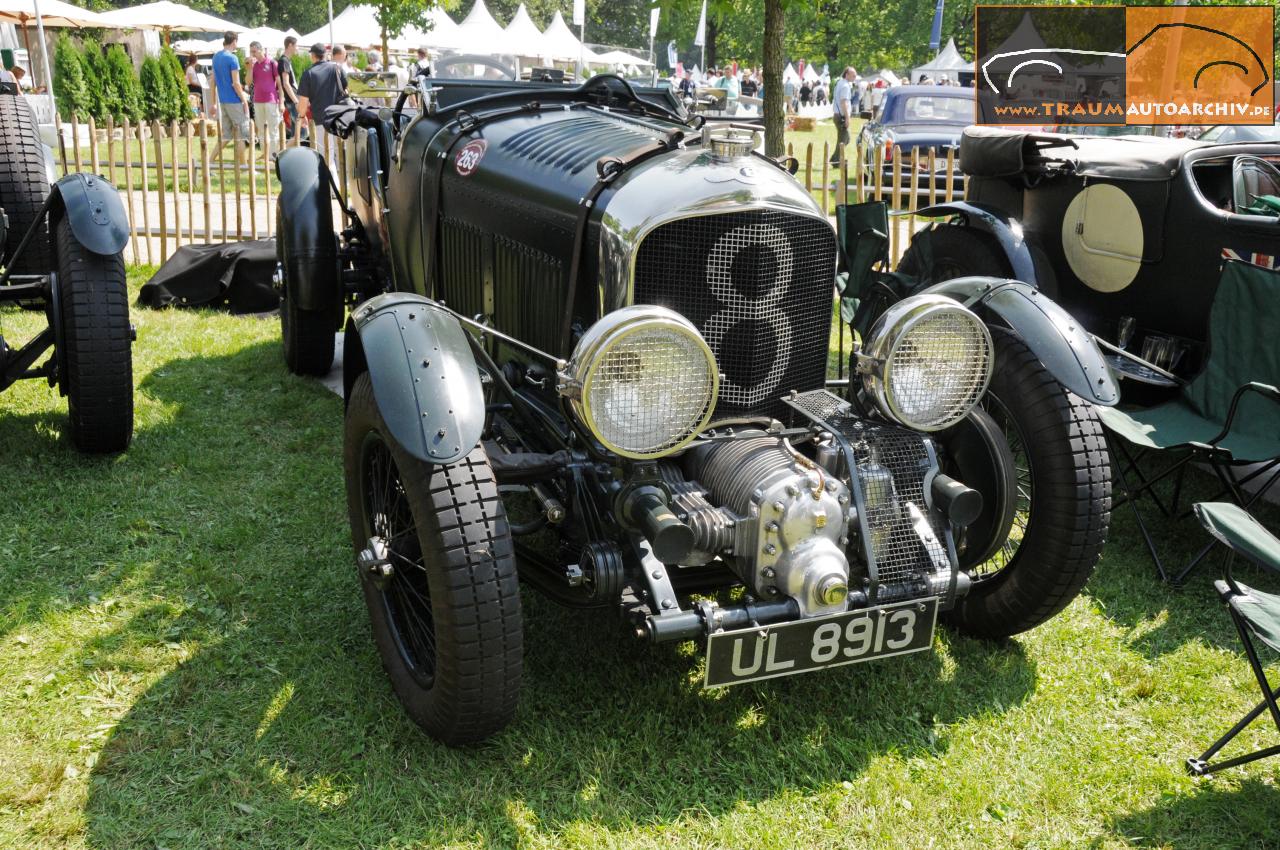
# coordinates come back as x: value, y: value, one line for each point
x: 586, y: 346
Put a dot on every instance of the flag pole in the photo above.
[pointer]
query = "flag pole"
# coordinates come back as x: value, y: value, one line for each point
x: 331, y: 24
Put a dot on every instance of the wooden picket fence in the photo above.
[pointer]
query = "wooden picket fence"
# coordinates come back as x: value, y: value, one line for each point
x: 184, y: 182
x: 849, y: 180
x: 225, y: 200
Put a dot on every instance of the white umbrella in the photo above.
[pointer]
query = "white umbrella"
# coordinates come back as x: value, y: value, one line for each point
x: 53, y: 13
x: 168, y: 16
x: 622, y: 57
x: 269, y: 37
x: 198, y: 46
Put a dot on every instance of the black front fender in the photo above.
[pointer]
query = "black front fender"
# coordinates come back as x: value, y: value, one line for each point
x: 1006, y: 231
x: 423, y: 372
x: 93, y: 208
x: 1064, y: 347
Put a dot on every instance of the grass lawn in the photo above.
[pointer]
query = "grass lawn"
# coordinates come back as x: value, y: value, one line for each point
x: 185, y: 662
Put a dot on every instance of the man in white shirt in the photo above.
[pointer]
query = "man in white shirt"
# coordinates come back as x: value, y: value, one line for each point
x: 842, y: 110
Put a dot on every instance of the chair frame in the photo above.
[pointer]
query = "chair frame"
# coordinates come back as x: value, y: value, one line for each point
x: 1221, y: 463
x: 1202, y: 766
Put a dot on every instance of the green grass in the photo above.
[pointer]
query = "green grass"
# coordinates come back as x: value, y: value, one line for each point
x: 185, y: 662
x: 186, y: 182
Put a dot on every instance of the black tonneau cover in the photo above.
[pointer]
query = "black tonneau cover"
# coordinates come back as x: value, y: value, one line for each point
x: 997, y: 152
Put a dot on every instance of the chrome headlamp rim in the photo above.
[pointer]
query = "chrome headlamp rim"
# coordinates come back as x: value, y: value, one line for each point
x: 601, y: 337
x: 886, y: 337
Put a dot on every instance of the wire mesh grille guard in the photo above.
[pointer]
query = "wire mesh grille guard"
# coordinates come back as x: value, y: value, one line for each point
x: 758, y: 285
x: 892, y: 466
x: 939, y: 370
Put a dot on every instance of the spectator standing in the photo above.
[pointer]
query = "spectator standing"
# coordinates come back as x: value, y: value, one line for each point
x: 341, y: 59
x: 820, y: 95
x: 806, y: 93
x: 233, y: 101
x: 322, y: 85
x: 842, y: 111
x: 789, y: 94
x: 877, y: 98
x: 421, y: 68
x: 374, y: 62
x: 195, y: 86
x: 402, y: 74
x: 289, y: 84
x: 266, y: 95
x: 686, y: 85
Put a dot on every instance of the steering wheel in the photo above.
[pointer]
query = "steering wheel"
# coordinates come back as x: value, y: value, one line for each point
x: 472, y: 59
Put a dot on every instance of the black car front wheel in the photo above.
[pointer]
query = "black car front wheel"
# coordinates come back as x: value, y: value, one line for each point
x: 1039, y: 560
x: 95, y: 342
x: 441, y: 587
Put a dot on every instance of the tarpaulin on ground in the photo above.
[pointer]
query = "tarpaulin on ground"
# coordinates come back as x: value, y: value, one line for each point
x: 235, y: 276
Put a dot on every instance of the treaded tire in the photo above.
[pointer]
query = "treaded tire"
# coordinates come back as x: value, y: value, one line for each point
x: 23, y: 185
x: 95, y: 357
x: 308, y: 335
x: 953, y: 251
x: 470, y: 574
x: 1070, y: 501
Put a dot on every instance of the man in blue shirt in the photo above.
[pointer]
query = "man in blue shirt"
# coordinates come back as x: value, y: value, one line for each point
x: 233, y: 102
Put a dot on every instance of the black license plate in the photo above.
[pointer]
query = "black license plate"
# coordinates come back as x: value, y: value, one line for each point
x: 748, y: 655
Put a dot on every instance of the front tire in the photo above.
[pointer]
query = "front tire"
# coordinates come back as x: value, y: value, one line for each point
x: 1063, y: 508
x: 94, y: 354
x: 447, y: 622
x: 948, y: 251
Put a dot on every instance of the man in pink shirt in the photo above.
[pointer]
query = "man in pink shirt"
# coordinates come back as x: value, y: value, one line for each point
x: 267, y: 95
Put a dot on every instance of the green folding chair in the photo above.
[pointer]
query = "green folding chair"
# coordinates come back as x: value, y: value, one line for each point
x: 1227, y: 416
x: 862, y: 236
x: 1255, y: 613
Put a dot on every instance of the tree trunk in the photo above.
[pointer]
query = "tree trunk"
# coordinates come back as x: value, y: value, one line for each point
x: 386, y: 55
x: 774, y: 119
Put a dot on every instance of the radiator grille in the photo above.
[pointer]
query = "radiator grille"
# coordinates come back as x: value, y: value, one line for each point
x: 758, y: 284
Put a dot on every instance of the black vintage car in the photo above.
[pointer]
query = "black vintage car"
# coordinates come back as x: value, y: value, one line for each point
x: 587, y: 337
x: 60, y: 252
x: 1128, y: 234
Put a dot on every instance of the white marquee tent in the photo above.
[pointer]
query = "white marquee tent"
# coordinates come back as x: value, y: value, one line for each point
x: 480, y: 33
x: 948, y: 61
x: 523, y: 34
x: 561, y: 44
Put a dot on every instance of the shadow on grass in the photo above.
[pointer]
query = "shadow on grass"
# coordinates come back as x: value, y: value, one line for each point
x: 1163, y: 617
x: 270, y: 721
x: 1214, y: 813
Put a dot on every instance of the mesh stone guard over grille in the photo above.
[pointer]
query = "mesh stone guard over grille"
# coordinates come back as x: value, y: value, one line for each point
x: 891, y: 467
x: 758, y: 285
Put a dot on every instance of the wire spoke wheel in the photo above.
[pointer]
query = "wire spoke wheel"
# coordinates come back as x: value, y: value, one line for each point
x: 438, y: 576
x: 1024, y: 491
x: 406, y: 594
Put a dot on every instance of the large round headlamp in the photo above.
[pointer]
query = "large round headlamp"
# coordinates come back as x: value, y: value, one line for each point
x: 926, y: 362
x: 643, y: 381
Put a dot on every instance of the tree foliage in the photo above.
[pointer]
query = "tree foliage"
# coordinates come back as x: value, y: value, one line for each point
x: 121, y: 77
x: 69, y: 86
